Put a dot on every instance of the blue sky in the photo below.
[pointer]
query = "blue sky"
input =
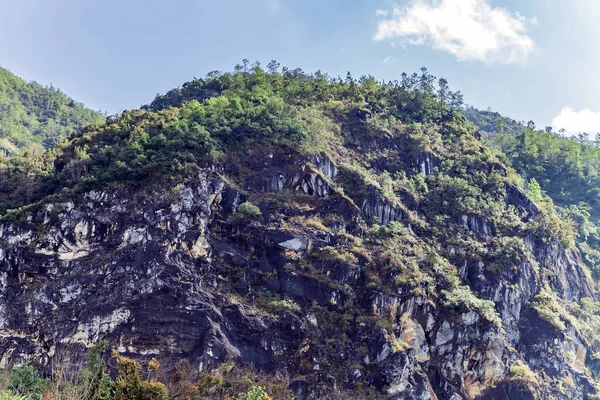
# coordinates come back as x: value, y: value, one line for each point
x: 534, y: 59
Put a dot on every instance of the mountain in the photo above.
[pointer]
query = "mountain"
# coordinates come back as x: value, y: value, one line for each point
x: 288, y: 234
x: 33, y: 114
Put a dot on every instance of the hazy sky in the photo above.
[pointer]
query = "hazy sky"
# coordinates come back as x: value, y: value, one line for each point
x: 535, y: 59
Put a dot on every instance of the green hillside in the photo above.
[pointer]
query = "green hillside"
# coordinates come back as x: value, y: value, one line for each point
x: 33, y: 114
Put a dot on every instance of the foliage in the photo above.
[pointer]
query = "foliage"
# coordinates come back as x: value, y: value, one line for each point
x: 25, y: 381
x: 227, y: 382
x: 534, y: 191
x: 94, y: 378
x: 462, y: 296
x: 521, y: 372
x: 247, y: 212
x: 207, y: 383
x: 9, y: 396
x: 205, y: 119
x: 547, y: 307
x: 32, y: 116
x: 256, y: 393
x: 131, y: 386
x: 284, y: 305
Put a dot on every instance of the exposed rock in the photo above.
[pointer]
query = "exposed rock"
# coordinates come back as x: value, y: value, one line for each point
x: 295, y: 244
x: 312, y: 182
x: 379, y: 209
x: 427, y: 163
x: 171, y: 274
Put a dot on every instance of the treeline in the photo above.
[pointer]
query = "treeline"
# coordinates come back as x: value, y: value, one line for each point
x: 201, y: 121
x: 412, y: 98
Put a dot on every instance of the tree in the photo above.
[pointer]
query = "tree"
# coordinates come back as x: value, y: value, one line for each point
x: 273, y: 67
x: 500, y: 126
x: 534, y: 191
x: 349, y: 79
x: 442, y: 96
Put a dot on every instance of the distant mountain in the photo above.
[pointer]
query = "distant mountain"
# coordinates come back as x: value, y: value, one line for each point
x: 492, y: 122
x: 34, y: 114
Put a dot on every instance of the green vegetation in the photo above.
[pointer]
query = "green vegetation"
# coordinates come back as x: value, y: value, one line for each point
x: 32, y: 116
x: 131, y: 386
x: 94, y: 383
x: 247, y: 212
x: 206, y: 119
x: 521, y: 372
x: 403, y: 144
x: 565, y: 169
x: 99, y: 384
x: 26, y: 382
x: 8, y: 396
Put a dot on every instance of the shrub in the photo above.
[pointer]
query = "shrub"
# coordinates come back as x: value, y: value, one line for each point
x: 181, y: 383
x: 207, y: 383
x: 534, y: 191
x: 284, y: 305
x: 521, y: 372
x: 247, y: 212
x: 130, y: 385
x: 462, y: 296
x: 25, y: 381
x: 8, y: 396
x: 96, y: 383
x: 255, y: 393
x: 548, y: 309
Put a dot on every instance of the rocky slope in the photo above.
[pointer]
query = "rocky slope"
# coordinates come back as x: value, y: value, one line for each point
x: 409, y: 266
x: 166, y: 273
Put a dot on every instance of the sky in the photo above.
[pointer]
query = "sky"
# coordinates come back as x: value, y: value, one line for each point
x: 530, y: 60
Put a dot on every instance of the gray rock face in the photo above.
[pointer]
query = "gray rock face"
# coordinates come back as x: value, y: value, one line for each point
x: 169, y: 275
x: 426, y: 164
x: 379, y: 209
x: 295, y: 244
x: 477, y: 224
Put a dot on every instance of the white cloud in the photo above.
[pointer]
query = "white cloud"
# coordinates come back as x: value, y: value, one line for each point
x: 469, y: 29
x: 388, y: 60
x: 382, y: 13
x: 574, y: 122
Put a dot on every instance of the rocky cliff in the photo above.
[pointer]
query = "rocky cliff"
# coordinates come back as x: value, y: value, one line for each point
x: 170, y: 272
x: 365, y: 246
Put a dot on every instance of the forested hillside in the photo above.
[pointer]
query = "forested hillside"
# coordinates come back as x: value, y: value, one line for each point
x: 31, y: 114
x: 270, y: 233
x: 567, y: 169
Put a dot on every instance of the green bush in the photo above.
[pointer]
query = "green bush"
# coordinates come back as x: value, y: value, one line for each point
x: 8, y: 396
x: 207, y: 383
x: 521, y: 372
x: 255, y: 393
x: 26, y: 381
x: 248, y: 212
x: 284, y: 305
x: 130, y: 385
x: 97, y: 383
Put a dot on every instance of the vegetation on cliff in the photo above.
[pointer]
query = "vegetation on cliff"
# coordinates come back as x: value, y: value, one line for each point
x: 420, y: 204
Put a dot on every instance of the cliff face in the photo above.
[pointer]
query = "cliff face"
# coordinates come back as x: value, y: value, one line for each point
x: 310, y: 289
